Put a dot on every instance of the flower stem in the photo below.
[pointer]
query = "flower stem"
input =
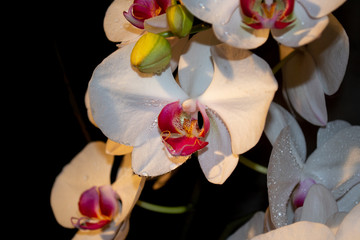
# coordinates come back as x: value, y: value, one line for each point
x: 252, y: 165
x: 195, y: 29
x: 163, y: 209
x: 283, y: 61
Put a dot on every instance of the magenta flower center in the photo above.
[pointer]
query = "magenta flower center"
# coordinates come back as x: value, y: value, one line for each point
x: 98, y: 205
x: 301, y: 192
x: 260, y: 14
x: 183, y: 127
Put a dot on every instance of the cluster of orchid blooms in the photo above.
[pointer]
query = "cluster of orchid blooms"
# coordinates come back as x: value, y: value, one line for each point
x: 184, y: 82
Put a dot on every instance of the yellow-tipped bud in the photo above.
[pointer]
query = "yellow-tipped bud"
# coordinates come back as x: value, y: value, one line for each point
x: 151, y: 53
x: 180, y: 20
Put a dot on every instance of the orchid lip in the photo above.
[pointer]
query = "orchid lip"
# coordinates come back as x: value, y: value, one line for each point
x: 301, y: 192
x: 269, y: 14
x: 179, y: 126
x: 98, y: 205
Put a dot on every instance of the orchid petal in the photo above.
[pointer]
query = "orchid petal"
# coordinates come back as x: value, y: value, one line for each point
x: 162, y: 180
x: 242, y: 89
x: 156, y: 24
x: 350, y: 199
x: 88, y: 108
x: 125, y: 103
x: 240, y: 35
x: 319, y: 205
x: 250, y: 229
x: 331, y: 53
x: 212, y: 11
x: 114, y: 148
x: 195, y: 66
x: 335, y: 220
x: 217, y: 160
x: 91, y: 167
x: 304, y: 30
x: 128, y: 187
x: 350, y: 226
x: 299, y: 231
x: 330, y: 130
x: 117, y: 28
x: 284, y: 173
x: 268, y: 224
x: 278, y: 118
x: 153, y: 159
x: 123, y: 230
x: 341, y: 170
x: 304, y: 90
x: 320, y: 8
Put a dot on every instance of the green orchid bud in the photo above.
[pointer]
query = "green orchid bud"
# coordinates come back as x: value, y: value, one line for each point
x: 151, y: 53
x: 180, y: 20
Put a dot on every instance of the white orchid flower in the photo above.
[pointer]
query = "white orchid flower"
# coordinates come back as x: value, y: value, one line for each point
x: 247, y: 23
x: 322, y: 64
x: 228, y: 90
x: 318, y: 218
x: 348, y: 229
x: 83, y: 197
x: 335, y: 164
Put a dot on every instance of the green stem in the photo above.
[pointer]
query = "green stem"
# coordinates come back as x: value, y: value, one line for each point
x: 163, y: 209
x: 283, y: 61
x: 252, y: 165
x: 195, y: 29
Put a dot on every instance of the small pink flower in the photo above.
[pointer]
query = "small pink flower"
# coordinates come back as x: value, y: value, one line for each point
x: 99, y: 205
x: 141, y: 10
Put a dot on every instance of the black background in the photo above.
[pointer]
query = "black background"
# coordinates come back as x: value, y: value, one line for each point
x: 57, y: 46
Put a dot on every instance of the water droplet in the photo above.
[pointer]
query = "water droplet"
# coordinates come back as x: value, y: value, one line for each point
x: 145, y: 174
x: 201, y: 5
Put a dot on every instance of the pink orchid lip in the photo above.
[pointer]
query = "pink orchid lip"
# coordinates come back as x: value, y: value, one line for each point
x: 301, y: 192
x: 98, y: 205
x: 179, y: 127
x: 271, y: 15
x: 141, y: 10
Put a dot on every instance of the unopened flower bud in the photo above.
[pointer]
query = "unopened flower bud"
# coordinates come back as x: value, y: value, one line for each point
x: 180, y: 20
x: 151, y: 53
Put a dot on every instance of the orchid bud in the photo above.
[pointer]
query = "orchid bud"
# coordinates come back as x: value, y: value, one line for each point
x: 180, y: 20
x: 151, y: 53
